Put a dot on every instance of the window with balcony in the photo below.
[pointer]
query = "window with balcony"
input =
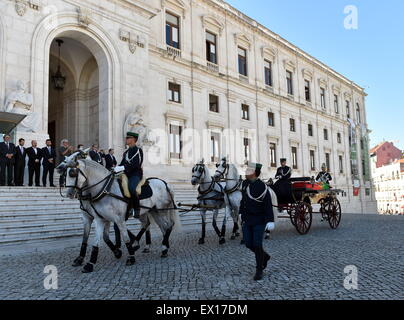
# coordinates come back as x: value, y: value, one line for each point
x: 173, y: 31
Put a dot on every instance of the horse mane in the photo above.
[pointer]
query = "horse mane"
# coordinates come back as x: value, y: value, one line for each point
x: 94, y: 165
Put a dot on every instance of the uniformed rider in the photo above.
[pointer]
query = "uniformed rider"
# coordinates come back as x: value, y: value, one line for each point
x: 324, y: 175
x: 283, y: 172
x: 256, y: 215
x: 132, y: 164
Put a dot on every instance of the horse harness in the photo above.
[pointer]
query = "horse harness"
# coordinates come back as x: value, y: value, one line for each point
x: 105, y: 191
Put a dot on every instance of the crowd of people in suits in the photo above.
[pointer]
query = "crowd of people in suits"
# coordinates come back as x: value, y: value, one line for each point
x: 13, y: 161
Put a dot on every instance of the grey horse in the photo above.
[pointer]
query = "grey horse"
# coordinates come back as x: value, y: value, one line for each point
x: 210, y: 198
x: 103, y: 202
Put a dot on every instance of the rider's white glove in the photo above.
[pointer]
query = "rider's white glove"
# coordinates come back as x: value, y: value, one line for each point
x: 119, y: 169
x: 270, y: 226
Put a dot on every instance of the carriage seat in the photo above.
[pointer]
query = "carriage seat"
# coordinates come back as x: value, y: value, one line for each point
x: 143, y: 190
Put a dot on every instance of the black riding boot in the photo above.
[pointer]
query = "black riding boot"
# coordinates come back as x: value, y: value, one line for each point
x: 259, y: 258
x: 135, y: 206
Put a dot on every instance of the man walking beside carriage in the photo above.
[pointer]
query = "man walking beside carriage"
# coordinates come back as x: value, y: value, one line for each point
x: 256, y: 215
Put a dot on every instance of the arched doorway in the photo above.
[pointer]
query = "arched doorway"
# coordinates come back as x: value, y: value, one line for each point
x: 80, y: 109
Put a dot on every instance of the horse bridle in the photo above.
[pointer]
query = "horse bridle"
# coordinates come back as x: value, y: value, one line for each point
x: 222, y: 175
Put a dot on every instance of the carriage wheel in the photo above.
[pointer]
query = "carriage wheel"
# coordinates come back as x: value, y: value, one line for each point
x: 334, y: 213
x: 303, y: 217
x: 292, y: 215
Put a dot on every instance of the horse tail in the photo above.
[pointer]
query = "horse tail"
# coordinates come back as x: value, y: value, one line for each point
x: 174, y: 217
x: 173, y: 212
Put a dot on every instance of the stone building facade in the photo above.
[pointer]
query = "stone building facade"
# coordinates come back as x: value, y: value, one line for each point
x: 197, y: 77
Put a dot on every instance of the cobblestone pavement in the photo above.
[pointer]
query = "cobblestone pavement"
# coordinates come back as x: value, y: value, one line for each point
x: 302, y: 267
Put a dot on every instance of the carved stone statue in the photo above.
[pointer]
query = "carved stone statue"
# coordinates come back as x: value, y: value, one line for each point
x: 20, y: 102
x: 135, y: 123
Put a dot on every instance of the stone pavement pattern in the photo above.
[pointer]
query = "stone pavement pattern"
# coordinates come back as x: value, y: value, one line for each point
x: 302, y: 267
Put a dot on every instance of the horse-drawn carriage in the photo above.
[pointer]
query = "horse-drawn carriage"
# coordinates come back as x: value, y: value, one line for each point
x: 297, y: 197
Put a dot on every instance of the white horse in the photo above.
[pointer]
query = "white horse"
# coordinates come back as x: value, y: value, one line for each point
x: 229, y: 174
x: 103, y: 202
x: 210, y: 198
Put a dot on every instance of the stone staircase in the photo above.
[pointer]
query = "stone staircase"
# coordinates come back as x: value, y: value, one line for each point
x: 38, y: 213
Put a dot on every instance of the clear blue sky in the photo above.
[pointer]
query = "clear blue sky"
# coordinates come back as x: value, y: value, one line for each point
x: 372, y: 56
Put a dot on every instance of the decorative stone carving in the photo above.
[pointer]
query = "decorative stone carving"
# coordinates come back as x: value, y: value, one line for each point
x: 20, y: 102
x: 134, y: 122
x: 20, y: 7
x: 132, y: 39
x: 84, y: 17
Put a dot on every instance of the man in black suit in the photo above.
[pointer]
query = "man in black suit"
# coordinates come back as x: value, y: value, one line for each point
x: 34, y: 163
x: 19, y: 166
x: 7, y: 159
x: 48, y: 162
x: 110, y: 160
x: 95, y: 155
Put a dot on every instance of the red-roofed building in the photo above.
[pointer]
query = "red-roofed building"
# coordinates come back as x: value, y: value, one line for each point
x: 385, y: 153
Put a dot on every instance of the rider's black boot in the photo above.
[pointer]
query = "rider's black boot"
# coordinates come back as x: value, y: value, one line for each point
x: 135, y: 206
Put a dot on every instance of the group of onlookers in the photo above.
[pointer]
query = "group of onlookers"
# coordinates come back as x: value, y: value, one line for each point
x: 13, y: 161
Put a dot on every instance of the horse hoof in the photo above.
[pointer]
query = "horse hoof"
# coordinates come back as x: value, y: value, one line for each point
x: 233, y: 237
x: 88, y: 268
x: 118, y: 253
x: 222, y: 241
x: 164, y: 254
x: 78, y: 262
x: 136, y: 248
x: 242, y: 242
x: 146, y: 250
x: 201, y: 241
x: 131, y: 261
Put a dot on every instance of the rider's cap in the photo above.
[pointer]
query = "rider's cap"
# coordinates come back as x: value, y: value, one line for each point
x: 251, y: 167
x: 283, y: 159
x: 132, y: 134
x: 323, y: 166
